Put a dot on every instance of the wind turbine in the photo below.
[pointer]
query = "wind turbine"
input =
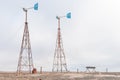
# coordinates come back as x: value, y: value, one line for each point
x: 59, y: 62
x: 25, y: 62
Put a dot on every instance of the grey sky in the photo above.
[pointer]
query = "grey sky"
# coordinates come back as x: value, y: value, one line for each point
x: 90, y: 38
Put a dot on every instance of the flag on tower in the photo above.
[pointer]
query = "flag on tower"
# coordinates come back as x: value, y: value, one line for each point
x: 68, y: 15
x: 36, y: 6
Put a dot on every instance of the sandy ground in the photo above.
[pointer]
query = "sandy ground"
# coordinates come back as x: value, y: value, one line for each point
x: 61, y: 76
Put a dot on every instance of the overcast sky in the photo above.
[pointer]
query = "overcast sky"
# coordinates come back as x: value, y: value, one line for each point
x: 90, y: 38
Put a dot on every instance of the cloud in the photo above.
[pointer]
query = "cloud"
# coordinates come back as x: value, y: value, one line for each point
x: 90, y: 37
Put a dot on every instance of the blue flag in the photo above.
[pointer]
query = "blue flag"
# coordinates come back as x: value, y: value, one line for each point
x: 68, y: 15
x: 36, y: 6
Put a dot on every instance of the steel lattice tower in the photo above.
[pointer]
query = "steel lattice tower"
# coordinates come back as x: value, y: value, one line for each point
x: 59, y: 62
x: 25, y: 63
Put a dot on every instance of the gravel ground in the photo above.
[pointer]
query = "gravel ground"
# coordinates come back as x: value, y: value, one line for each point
x: 61, y: 76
